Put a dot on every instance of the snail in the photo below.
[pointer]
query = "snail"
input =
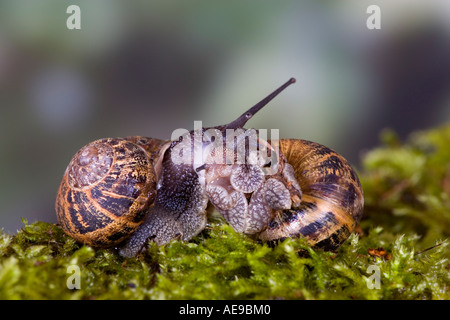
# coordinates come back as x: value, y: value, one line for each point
x: 123, y: 192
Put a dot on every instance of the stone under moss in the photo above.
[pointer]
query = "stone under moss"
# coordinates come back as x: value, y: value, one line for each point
x: 402, y: 239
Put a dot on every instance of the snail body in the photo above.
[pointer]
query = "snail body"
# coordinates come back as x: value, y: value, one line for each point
x: 315, y: 194
x: 179, y: 211
x: 310, y: 191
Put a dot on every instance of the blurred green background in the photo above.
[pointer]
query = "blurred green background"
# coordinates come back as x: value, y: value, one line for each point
x: 149, y: 67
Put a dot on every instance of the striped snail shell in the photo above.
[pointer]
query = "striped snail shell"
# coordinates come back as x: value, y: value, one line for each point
x: 314, y: 194
x: 332, y: 197
x: 106, y: 190
x: 126, y: 191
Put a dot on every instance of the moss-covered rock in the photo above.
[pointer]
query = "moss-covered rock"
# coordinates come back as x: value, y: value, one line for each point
x: 399, y: 252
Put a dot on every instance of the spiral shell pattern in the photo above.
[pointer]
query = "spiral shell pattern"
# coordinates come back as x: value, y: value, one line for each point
x: 106, y: 191
x: 332, y: 200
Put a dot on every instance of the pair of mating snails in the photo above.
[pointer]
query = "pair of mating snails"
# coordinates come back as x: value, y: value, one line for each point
x: 123, y: 192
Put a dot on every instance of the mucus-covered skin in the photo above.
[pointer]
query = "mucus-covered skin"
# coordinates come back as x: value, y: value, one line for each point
x: 125, y: 192
x: 179, y: 211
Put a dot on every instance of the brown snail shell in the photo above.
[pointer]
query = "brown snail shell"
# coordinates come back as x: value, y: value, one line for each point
x: 332, y: 201
x: 107, y: 189
x: 129, y: 188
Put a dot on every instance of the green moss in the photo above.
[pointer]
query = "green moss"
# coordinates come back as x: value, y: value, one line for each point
x: 407, y: 186
x: 407, y: 190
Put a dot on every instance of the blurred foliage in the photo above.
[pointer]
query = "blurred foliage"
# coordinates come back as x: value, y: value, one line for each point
x: 407, y: 187
x: 150, y: 67
x: 404, y: 233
